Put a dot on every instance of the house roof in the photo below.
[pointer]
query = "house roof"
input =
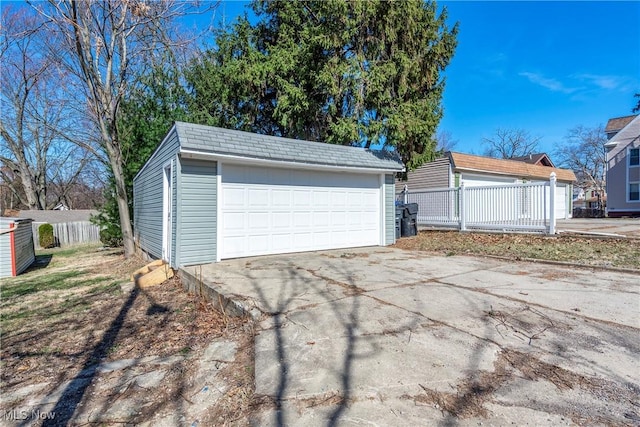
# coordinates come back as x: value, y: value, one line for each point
x: 55, y: 217
x: 629, y: 133
x: 469, y: 162
x: 209, y: 139
x: 536, y: 159
x: 616, y: 124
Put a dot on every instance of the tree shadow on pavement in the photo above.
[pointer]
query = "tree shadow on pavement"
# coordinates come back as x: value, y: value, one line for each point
x: 72, y: 395
x: 344, y: 300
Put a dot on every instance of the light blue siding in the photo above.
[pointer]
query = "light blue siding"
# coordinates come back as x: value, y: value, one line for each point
x: 147, y: 197
x: 197, y: 212
x: 390, y: 210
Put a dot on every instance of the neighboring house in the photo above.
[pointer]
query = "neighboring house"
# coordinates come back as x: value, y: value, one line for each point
x: 540, y: 159
x: 623, y: 168
x: 208, y: 194
x: 16, y: 246
x: 454, y: 169
x: 615, y: 125
x: 589, y: 198
x: 70, y: 227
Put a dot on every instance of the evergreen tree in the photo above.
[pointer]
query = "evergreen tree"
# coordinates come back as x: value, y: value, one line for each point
x: 344, y: 72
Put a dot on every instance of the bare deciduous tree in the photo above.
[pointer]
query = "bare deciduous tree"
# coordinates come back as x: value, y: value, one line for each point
x: 445, y: 141
x: 510, y: 143
x: 585, y: 154
x: 105, y: 44
x: 34, y: 116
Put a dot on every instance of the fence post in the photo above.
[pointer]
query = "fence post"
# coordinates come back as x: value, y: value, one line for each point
x: 552, y: 203
x: 405, y: 193
x: 463, y: 220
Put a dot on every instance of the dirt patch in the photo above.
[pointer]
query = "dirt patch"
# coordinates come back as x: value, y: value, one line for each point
x: 621, y: 253
x: 472, y: 394
x: 79, y: 342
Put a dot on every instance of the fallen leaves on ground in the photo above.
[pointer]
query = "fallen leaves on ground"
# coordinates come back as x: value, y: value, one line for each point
x: 601, y: 252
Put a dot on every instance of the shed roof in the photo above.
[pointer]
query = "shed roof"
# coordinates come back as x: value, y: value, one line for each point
x: 8, y: 220
x: 215, y: 140
x: 54, y: 217
x: 473, y: 163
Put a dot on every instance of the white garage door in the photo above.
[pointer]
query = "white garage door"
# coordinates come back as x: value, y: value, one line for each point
x: 271, y: 211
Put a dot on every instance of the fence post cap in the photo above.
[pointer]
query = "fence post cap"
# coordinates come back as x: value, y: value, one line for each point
x: 553, y: 175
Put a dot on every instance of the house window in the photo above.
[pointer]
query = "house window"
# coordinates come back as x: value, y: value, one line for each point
x: 634, y: 157
x: 634, y: 192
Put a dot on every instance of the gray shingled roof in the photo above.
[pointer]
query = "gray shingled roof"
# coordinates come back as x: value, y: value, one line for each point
x: 209, y: 139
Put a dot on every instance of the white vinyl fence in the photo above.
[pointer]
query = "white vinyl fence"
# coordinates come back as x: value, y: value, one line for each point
x: 513, y: 207
x: 69, y: 233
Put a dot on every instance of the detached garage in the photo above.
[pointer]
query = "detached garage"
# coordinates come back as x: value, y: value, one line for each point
x: 208, y: 194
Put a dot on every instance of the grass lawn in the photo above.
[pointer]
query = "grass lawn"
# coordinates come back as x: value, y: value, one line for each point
x: 620, y: 253
x: 75, y: 308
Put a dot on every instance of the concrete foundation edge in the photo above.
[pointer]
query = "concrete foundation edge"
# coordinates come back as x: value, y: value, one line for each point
x: 226, y: 304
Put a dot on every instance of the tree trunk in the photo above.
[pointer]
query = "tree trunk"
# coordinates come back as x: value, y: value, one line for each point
x: 123, y: 208
x: 27, y: 184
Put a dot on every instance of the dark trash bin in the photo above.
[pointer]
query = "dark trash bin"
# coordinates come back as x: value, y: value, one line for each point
x: 409, y: 223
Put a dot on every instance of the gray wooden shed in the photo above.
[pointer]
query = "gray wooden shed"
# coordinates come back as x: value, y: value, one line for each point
x: 209, y: 193
x: 16, y: 246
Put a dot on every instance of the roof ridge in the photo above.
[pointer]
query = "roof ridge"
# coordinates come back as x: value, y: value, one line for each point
x: 275, y: 137
x: 213, y: 139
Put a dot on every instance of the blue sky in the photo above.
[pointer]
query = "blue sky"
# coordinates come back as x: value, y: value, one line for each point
x: 541, y: 66
x: 544, y: 67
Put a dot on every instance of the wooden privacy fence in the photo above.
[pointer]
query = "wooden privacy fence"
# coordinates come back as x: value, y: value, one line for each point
x: 513, y: 207
x: 69, y: 233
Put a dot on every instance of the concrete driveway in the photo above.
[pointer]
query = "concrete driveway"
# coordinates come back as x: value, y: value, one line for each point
x: 380, y: 336
x: 628, y: 227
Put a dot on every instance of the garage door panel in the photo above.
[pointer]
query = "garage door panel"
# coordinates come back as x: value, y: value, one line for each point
x: 338, y: 199
x: 320, y: 219
x: 234, y: 221
x: 234, y: 245
x: 281, y: 242
x: 301, y: 199
x: 259, y: 243
x: 233, y: 197
x: 338, y: 219
x: 281, y: 220
x: 320, y: 199
x: 258, y: 197
x: 277, y: 211
x: 258, y: 220
x: 302, y: 241
x: 322, y: 239
x: 301, y: 219
x: 281, y: 198
x: 355, y: 219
